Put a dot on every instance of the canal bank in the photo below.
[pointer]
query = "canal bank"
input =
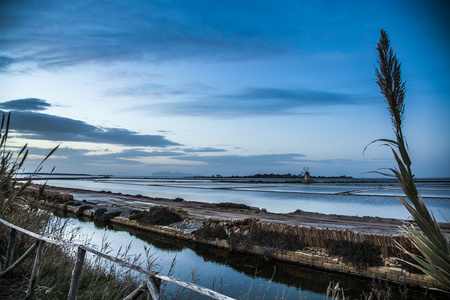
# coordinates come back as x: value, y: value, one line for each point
x: 300, y: 258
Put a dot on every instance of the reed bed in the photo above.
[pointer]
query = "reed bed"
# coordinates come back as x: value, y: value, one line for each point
x: 249, y: 232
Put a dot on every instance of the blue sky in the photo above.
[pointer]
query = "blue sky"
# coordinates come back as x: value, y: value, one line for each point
x: 222, y: 87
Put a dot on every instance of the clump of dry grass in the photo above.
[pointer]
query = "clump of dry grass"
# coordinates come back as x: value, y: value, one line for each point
x: 250, y: 232
x: 211, y: 230
x: 51, y: 196
x: 360, y: 255
x: 230, y: 205
x: 103, y: 215
x: 244, y: 234
x: 159, y: 215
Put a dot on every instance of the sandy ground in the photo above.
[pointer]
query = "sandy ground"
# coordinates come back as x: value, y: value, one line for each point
x: 201, y: 210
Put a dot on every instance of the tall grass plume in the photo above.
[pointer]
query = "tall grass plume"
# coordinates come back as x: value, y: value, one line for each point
x: 430, y: 240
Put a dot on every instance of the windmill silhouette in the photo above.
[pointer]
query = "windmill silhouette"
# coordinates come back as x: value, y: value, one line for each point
x: 307, y: 175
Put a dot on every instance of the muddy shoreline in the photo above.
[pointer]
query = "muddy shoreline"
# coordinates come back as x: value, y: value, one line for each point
x: 200, y: 210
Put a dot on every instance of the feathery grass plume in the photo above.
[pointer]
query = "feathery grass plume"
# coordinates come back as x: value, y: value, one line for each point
x: 432, y: 243
x: 11, y: 192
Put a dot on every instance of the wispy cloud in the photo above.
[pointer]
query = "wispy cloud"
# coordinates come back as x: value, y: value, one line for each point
x: 203, y: 150
x: 133, y: 153
x: 119, y: 162
x: 5, y: 62
x: 57, y: 34
x: 144, y: 162
x: 161, y: 91
x: 241, y: 160
x: 84, y: 161
x: 88, y: 156
x: 258, y: 101
x: 246, y: 164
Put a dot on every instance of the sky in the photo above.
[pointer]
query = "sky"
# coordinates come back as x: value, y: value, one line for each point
x: 134, y: 88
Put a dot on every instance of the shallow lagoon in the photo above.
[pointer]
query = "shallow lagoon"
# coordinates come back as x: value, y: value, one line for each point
x: 356, y: 198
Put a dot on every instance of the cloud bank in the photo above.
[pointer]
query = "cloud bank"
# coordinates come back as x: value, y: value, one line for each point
x: 35, y: 125
x: 28, y: 104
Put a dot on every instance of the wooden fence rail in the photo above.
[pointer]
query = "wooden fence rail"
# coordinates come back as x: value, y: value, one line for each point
x: 150, y: 285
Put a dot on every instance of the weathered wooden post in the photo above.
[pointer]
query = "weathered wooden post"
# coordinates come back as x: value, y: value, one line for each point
x: 35, y: 273
x: 20, y: 260
x: 10, y: 249
x: 76, y: 274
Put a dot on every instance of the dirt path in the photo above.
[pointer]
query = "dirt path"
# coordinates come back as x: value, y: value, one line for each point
x: 201, y: 210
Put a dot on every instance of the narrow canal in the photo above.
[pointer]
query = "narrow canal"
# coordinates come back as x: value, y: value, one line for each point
x: 234, y: 274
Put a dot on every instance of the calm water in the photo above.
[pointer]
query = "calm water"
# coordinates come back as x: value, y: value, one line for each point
x: 243, y: 277
x: 345, y: 197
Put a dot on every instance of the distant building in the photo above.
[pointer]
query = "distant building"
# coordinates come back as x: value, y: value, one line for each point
x: 307, y: 178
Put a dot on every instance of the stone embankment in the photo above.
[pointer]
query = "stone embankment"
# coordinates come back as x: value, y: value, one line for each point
x: 313, y: 260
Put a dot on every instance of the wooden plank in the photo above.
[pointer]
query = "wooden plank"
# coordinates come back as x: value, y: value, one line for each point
x: 118, y: 261
x: 10, y: 249
x: 76, y: 274
x: 21, y: 259
x: 152, y: 289
x: 194, y: 287
x: 137, y: 292
x: 35, y: 273
x: 37, y: 236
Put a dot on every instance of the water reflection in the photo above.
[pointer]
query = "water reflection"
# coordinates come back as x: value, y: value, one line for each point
x: 243, y: 276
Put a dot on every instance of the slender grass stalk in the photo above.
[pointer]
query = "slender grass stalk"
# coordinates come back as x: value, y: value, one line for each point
x: 11, y: 192
x: 335, y: 292
x: 431, y: 241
